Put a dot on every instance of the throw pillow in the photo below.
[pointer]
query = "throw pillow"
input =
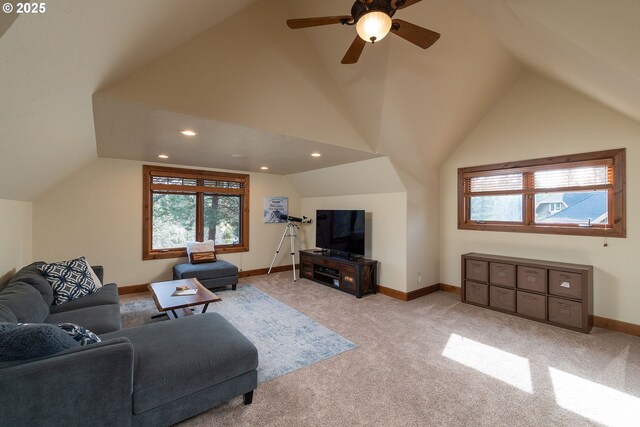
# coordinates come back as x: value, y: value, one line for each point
x: 80, y: 334
x: 69, y: 279
x: 200, y: 252
x: 93, y: 274
x: 31, y: 340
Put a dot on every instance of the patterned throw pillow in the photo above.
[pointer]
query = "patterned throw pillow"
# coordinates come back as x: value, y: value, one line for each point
x: 69, y: 279
x: 80, y: 334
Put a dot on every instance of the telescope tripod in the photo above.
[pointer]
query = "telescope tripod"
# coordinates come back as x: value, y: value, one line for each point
x: 289, y: 231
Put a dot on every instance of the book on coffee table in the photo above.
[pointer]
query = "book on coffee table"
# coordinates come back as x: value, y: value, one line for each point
x: 180, y: 293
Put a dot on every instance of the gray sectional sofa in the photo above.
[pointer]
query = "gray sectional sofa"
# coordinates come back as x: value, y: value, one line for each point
x: 156, y: 374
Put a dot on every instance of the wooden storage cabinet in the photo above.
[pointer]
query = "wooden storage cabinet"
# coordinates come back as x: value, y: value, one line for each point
x: 357, y: 277
x: 552, y: 292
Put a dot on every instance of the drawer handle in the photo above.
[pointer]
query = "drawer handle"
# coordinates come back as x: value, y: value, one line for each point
x: 500, y: 268
x: 531, y: 272
x: 564, y: 277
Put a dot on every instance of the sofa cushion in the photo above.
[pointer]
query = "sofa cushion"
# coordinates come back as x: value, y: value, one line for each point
x: 211, y: 270
x: 99, y: 319
x: 70, y: 279
x: 204, y: 350
x: 6, y: 315
x: 25, y: 302
x: 32, y: 275
x: 108, y: 294
x: 29, y: 341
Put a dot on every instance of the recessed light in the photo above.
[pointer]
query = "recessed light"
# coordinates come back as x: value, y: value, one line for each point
x: 188, y: 132
x: 163, y: 156
x: 316, y: 155
x: 264, y: 168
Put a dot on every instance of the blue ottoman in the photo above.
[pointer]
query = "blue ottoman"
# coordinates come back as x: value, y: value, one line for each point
x: 211, y: 274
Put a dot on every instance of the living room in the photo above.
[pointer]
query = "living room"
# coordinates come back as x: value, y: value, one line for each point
x: 91, y: 93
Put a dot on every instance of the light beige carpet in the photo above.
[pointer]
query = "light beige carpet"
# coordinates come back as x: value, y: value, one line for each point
x: 435, y: 361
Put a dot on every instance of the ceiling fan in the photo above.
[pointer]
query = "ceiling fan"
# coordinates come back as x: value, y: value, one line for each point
x: 373, y: 22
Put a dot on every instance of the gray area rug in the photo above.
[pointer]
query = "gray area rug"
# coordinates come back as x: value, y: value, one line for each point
x: 286, y: 339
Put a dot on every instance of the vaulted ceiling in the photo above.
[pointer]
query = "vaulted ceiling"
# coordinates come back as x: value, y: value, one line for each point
x: 120, y: 79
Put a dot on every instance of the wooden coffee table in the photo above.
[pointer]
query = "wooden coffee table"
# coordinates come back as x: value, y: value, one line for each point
x: 178, y: 306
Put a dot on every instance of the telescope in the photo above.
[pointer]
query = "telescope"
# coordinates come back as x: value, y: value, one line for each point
x: 303, y: 220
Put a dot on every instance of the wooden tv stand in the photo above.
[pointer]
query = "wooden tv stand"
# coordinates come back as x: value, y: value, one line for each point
x: 357, y: 277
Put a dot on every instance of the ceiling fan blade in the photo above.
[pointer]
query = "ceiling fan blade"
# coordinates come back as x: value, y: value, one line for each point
x: 414, y: 34
x: 399, y: 4
x: 316, y: 22
x: 354, y: 52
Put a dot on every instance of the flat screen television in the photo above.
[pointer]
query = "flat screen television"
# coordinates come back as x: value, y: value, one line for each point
x: 340, y: 231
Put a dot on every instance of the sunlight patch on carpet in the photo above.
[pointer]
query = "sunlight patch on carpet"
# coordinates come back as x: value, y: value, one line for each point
x: 595, y: 401
x: 501, y: 365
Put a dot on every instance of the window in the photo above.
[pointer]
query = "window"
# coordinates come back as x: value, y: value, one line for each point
x: 581, y: 194
x: 186, y: 204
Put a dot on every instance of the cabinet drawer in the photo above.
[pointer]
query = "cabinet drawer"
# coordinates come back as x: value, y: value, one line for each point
x: 502, y: 274
x: 501, y: 298
x: 533, y: 279
x: 477, y: 270
x: 565, y: 284
x: 531, y: 305
x: 476, y: 292
x: 565, y: 312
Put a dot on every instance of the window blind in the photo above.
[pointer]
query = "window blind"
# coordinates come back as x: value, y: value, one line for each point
x: 539, y: 180
x: 591, y: 177
x: 495, y: 183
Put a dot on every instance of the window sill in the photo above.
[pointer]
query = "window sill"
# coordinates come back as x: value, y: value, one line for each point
x: 616, y: 231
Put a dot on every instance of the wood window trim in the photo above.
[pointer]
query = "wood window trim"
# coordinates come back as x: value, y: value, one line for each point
x: 616, y: 196
x: 147, y: 224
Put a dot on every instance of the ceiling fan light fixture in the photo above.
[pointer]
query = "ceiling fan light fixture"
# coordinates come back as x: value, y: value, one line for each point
x: 373, y: 26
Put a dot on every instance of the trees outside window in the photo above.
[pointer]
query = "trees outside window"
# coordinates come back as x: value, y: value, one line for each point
x: 186, y: 204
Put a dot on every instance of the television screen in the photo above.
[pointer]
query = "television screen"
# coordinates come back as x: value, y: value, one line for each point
x: 340, y: 230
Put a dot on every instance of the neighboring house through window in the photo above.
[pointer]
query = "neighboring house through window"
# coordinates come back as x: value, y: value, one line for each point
x: 183, y: 205
x: 581, y: 194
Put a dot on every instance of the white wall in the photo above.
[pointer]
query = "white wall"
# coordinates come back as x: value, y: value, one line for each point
x: 97, y: 213
x: 16, y: 245
x: 372, y: 185
x: 387, y: 240
x: 423, y: 227
x: 539, y: 118
x: 267, y: 78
